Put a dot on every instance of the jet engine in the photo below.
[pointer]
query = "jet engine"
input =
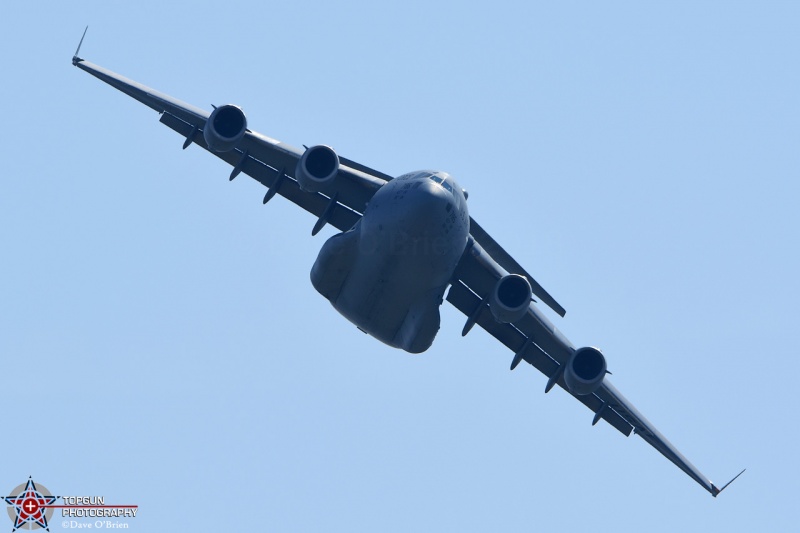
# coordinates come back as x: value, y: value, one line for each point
x: 225, y: 128
x: 510, y: 299
x: 585, y: 371
x: 317, y: 168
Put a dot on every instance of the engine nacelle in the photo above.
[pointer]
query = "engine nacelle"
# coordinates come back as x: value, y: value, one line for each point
x: 317, y: 168
x: 225, y: 128
x: 585, y: 371
x: 510, y: 299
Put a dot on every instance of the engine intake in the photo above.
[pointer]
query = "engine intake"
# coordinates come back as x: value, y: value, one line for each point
x: 585, y: 371
x: 225, y: 128
x: 510, y: 298
x: 317, y: 168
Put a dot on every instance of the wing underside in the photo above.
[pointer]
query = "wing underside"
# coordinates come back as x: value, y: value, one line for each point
x: 535, y: 340
x: 266, y: 160
x: 532, y: 339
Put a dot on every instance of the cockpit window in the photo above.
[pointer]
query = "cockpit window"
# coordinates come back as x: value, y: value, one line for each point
x: 414, y: 175
x: 443, y: 182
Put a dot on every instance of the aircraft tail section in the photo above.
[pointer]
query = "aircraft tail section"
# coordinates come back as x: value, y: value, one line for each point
x: 508, y: 263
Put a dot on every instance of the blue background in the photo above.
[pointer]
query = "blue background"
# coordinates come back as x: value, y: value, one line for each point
x: 162, y: 345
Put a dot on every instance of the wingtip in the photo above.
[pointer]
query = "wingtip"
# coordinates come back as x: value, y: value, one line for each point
x: 715, y: 491
x: 75, y: 58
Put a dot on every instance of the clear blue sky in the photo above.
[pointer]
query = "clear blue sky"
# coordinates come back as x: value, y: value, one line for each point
x: 162, y: 345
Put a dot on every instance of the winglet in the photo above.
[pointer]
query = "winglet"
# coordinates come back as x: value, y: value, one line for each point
x: 715, y: 490
x: 75, y: 58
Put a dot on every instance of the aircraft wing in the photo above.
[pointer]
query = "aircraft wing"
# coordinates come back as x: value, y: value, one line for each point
x: 535, y: 340
x: 266, y: 160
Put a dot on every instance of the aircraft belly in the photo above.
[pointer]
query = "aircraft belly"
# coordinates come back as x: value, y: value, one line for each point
x: 388, y: 275
x: 378, y: 296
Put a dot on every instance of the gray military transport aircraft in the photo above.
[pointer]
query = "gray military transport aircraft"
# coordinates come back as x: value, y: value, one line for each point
x: 403, y: 242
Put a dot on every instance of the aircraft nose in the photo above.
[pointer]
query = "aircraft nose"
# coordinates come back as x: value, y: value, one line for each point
x: 417, y: 211
x: 425, y: 205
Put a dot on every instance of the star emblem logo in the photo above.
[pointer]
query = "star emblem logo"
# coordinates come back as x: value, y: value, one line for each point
x: 29, y: 507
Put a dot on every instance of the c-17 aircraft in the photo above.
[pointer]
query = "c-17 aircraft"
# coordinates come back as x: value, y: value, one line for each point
x: 404, y: 241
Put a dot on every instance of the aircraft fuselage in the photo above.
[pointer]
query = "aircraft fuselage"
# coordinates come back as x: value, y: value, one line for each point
x: 389, y: 272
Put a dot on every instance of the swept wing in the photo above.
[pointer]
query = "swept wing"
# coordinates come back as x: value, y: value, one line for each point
x: 532, y: 339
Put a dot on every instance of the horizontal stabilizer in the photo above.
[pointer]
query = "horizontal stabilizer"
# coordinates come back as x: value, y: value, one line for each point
x: 505, y: 260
